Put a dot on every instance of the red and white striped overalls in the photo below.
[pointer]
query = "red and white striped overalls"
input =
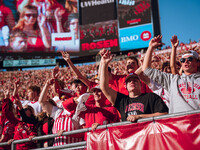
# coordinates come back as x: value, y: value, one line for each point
x: 64, y: 122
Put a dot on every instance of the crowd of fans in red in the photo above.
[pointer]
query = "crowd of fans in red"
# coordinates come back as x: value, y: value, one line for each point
x: 41, y: 102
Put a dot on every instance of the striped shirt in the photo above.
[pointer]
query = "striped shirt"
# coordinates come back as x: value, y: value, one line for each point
x: 63, y: 122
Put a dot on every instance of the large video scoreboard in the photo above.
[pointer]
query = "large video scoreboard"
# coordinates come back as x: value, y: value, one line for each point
x: 81, y: 27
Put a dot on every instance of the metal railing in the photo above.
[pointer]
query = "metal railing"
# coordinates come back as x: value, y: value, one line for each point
x: 79, y: 145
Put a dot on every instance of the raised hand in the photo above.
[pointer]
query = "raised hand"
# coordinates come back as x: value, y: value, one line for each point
x: 55, y: 72
x: 6, y: 93
x: 106, y: 57
x: 58, y: 13
x: 17, y: 83
x: 41, y: 20
x: 65, y: 55
x: 174, y: 41
x: 156, y: 41
x: 102, y: 52
x: 50, y: 81
x: 18, y: 103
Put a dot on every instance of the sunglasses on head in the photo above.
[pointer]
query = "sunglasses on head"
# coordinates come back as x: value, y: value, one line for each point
x: 182, y: 60
x: 33, y: 15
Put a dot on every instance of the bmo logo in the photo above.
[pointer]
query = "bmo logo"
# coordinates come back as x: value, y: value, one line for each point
x: 129, y: 38
x: 146, y: 35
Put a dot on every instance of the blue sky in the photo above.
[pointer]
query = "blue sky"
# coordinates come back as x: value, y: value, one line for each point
x: 180, y: 17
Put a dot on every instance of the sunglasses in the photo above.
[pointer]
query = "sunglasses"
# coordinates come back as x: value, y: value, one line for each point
x: 182, y: 60
x: 33, y: 15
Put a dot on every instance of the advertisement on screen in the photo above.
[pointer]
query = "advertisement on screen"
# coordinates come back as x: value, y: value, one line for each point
x: 137, y: 37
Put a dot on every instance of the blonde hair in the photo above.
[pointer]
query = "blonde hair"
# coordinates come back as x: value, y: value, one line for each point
x: 20, y: 25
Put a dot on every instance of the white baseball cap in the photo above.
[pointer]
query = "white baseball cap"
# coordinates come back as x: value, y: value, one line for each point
x: 192, y: 53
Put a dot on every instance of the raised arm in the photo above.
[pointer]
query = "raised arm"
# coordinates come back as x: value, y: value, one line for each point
x: 46, y: 37
x: 55, y: 75
x: 7, y: 110
x: 101, y: 53
x: 43, y: 97
x: 25, y: 118
x: 175, y: 43
x: 16, y: 87
x: 23, y: 3
x: 155, y: 42
x: 58, y: 15
x: 66, y: 57
x: 110, y: 94
x: 144, y: 78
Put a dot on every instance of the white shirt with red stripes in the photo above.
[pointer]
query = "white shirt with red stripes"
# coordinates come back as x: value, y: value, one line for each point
x: 62, y: 121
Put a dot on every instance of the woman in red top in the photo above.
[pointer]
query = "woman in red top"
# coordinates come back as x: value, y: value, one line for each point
x: 47, y: 8
x: 34, y: 26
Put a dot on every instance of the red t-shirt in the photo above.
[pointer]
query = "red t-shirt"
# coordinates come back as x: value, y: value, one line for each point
x: 102, y: 116
x: 6, y: 129
x: 37, y: 47
x: 23, y: 131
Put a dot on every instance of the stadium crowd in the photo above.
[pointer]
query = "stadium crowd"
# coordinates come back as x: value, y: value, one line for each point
x: 41, y: 102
